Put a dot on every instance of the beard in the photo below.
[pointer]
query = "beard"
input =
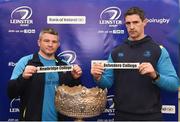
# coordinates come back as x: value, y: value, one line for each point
x: 47, y: 52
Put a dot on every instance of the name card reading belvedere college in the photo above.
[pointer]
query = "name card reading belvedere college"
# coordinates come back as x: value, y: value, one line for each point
x: 125, y: 65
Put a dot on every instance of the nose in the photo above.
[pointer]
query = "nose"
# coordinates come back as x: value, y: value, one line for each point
x: 131, y: 26
x: 50, y: 43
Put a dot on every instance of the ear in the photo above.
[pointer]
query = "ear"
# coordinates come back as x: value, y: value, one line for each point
x: 59, y: 44
x: 38, y: 41
x: 145, y: 21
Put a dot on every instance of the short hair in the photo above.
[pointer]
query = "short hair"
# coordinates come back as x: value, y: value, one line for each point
x: 135, y: 10
x: 49, y: 31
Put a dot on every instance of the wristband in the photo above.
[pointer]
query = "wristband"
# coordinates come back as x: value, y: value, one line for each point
x: 157, y: 77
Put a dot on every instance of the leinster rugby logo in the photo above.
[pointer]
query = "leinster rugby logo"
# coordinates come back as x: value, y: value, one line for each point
x: 68, y: 55
x: 110, y: 105
x: 21, y: 15
x: 110, y: 16
x: 24, y: 12
x: 14, y: 105
x: 111, y: 13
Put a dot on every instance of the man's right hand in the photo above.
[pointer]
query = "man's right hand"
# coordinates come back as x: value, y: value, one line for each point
x: 29, y: 71
x: 97, y: 70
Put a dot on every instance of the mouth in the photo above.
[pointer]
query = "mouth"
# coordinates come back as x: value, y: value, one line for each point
x: 132, y: 32
x: 50, y: 50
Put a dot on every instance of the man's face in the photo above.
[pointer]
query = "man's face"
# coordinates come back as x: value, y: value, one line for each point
x: 48, y: 44
x: 135, y: 26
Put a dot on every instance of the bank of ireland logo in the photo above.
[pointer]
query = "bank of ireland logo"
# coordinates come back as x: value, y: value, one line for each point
x: 110, y: 16
x: 21, y: 16
x: 68, y: 55
x: 14, y: 105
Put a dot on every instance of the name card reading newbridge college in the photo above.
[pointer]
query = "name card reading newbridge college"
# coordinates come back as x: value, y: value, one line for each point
x: 62, y: 68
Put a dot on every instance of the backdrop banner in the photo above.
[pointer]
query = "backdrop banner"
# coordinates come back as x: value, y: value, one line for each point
x: 89, y: 29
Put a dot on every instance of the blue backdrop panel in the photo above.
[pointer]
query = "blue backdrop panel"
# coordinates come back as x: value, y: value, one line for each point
x: 91, y: 39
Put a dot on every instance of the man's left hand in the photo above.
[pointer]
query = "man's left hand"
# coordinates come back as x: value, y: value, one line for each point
x: 76, y: 72
x: 148, y: 69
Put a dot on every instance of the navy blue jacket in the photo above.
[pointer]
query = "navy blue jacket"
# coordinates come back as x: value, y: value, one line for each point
x: 137, y: 94
x: 31, y: 91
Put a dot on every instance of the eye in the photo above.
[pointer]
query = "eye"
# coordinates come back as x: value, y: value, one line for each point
x: 54, y: 41
x: 135, y: 22
x: 46, y: 40
x: 127, y: 23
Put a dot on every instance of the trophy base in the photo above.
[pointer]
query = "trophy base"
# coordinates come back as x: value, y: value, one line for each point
x: 79, y: 120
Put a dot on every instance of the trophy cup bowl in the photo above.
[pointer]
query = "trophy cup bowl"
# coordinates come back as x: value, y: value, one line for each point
x: 80, y: 102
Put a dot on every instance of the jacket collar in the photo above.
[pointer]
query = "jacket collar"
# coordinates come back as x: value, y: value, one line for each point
x: 138, y: 42
x: 36, y: 59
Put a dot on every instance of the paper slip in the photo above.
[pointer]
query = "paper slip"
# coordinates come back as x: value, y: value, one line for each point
x: 121, y: 65
x: 127, y: 65
x: 62, y: 68
x: 98, y: 61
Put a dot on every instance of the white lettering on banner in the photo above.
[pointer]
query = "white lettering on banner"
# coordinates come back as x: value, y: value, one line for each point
x: 66, y: 19
x: 111, y: 31
x: 12, y: 64
x: 29, y: 31
x: 105, y: 120
x: 26, y: 31
x: 13, y: 110
x: 110, y: 22
x: 63, y: 68
x: 160, y: 21
x: 13, y: 120
x: 17, y: 21
x: 168, y: 109
x: 118, y: 31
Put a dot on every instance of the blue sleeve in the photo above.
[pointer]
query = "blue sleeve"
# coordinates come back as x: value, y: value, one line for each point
x: 20, y: 65
x: 16, y: 84
x: 168, y: 77
x: 107, y: 77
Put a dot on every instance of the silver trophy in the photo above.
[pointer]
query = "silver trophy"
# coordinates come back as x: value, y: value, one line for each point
x: 80, y: 102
